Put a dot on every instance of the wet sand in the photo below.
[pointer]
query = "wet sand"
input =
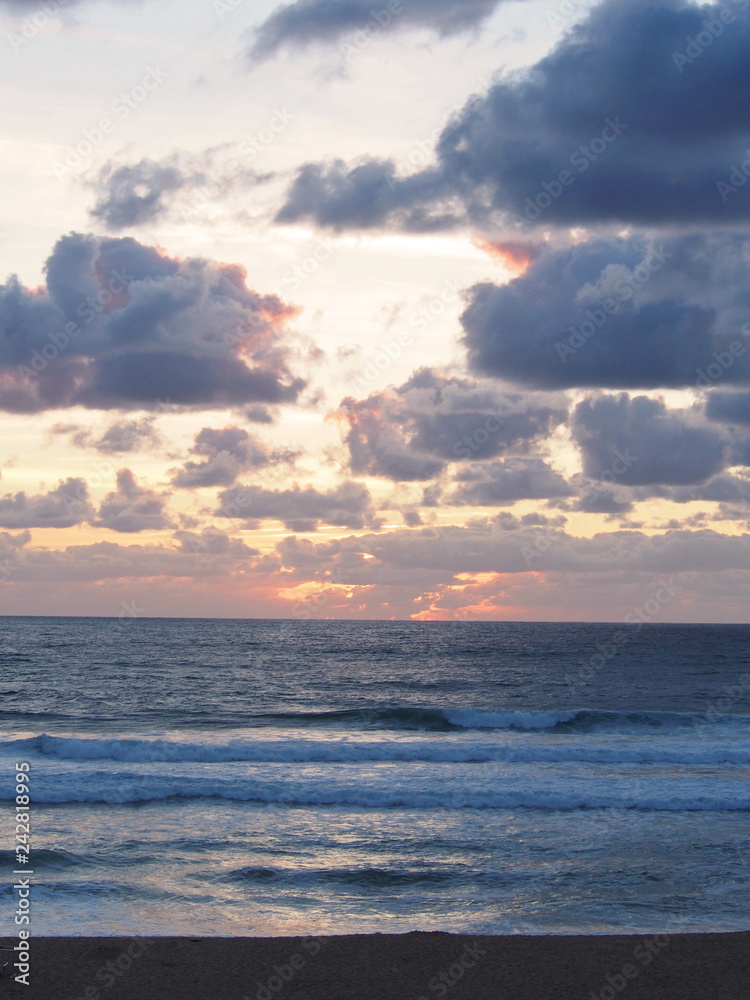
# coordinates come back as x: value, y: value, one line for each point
x: 388, y: 967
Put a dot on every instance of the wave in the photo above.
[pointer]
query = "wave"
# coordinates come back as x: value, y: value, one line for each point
x: 366, y: 877
x: 451, y: 719
x: 465, y: 750
x: 428, y: 791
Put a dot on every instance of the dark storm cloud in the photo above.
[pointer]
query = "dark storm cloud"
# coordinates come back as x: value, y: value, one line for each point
x: 616, y: 124
x: 132, y: 507
x: 729, y: 407
x: 63, y: 507
x: 223, y: 455
x: 506, y: 482
x: 636, y: 442
x: 306, y: 22
x: 122, y: 326
x: 348, y: 505
x: 144, y: 192
x: 413, y: 432
x: 619, y: 313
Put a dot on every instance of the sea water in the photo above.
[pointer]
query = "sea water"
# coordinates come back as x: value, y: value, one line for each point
x: 266, y: 777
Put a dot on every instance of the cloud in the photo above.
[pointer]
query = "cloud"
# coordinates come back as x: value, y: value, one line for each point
x: 348, y: 505
x: 618, y: 313
x: 722, y: 489
x: 211, y: 541
x: 413, y: 432
x: 121, y: 437
x: 65, y: 506
x: 615, y: 125
x: 637, y: 442
x: 505, y: 482
x: 132, y: 508
x: 121, y: 325
x: 307, y: 22
x: 144, y: 192
x: 599, y: 500
x: 729, y: 407
x: 110, y: 561
x: 426, y: 556
x: 368, y: 196
x: 224, y: 455
x: 132, y: 195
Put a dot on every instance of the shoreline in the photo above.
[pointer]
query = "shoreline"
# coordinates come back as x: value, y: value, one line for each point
x: 412, y: 966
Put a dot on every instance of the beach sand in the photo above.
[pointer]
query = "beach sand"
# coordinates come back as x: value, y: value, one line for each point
x: 389, y: 967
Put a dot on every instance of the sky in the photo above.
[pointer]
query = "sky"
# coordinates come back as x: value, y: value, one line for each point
x: 429, y: 310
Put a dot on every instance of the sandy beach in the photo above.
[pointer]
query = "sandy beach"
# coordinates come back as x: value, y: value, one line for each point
x: 389, y: 967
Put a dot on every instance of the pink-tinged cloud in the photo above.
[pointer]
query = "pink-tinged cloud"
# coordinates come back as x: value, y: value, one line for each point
x: 121, y: 325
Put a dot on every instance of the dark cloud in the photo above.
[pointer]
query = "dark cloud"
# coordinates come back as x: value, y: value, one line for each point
x: 599, y: 500
x: 132, y: 195
x: 729, y: 407
x: 211, y: 541
x: 619, y: 313
x: 413, y: 432
x: 348, y: 505
x: 722, y: 489
x: 636, y: 442
x: 144, y: 192
x: 195, y: 557
x: 367, y: 196
x: 439, y: 554
x: 306, y: 22
x: 122, y: 326
x: 65, y: 506
x: 121, y: 437
x: 259, y: 415
x: 132, y: 507
x: 611, y: 127
x: 224, y: 455
x: 499, y: 483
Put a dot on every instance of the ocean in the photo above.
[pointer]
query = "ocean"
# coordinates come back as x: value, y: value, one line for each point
x: 204, y: 777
